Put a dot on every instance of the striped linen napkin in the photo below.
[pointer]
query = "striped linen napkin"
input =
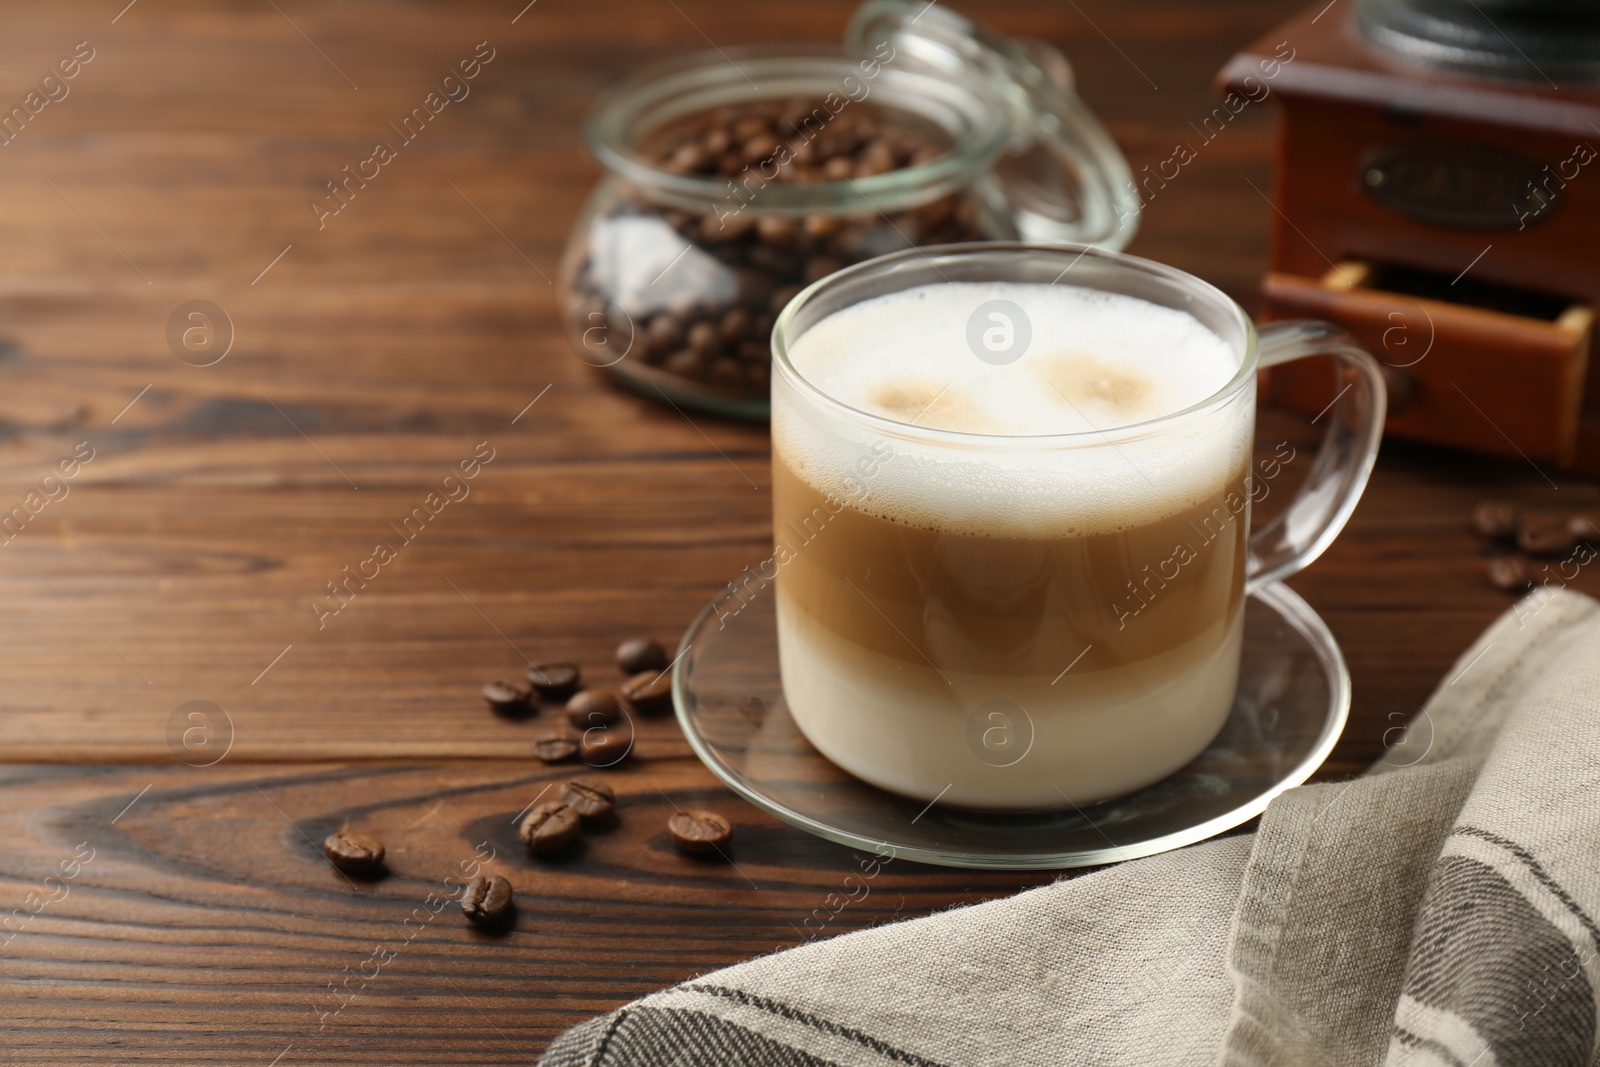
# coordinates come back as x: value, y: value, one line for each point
x: 1439, y: 910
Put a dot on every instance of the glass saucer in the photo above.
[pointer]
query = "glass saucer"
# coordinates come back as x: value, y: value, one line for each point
x: 1294, y: 696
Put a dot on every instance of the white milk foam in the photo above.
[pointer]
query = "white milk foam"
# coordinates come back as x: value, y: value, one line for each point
x: 1097, y: 362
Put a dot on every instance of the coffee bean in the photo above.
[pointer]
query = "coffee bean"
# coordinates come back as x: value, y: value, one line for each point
x: 775, y: 261
x: 1496, y: 519
x: 755, y: 351
x: 506, y: 696
x: 907, y: 228
x: 735, y: 325
x: 593, y: 707
x: 853, y: 242
x: 640, y: 654
x: 875, y: 158
x: 776, y: 230
x: 939, y: 212
x: 555, y: 748
x: 685, y: 364
x: 705, y: 339
x: 820, y: 225
x: 487, y: 901
x: 759, y: 377
x: 781, y: 298
x: 746, y: 128
x: 649, y: 691
x: 591, y: 798
x: 549, y: 827
x: 819, y: 267
x: 699, y: 831
x: 839, y: 168
x: 759, y: 148
x: 606, y: 746
x: 723, y: 227
x: 1509, y: 573
x: 802, y: 152
x: 726, y: 373
x: 353, y: 852
x: 716, y: 142
x: 665, y: 332
x: 554, y: 681
x: 1547, y: 538
x: 689, y: 158
x: 753, y: 287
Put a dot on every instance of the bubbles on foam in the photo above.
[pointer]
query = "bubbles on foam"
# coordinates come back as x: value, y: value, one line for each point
x: 1097, y: 361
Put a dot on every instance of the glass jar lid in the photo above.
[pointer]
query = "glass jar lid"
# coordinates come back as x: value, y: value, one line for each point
x: 1062, y: 173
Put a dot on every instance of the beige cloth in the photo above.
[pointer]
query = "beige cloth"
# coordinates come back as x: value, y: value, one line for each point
x: 1438, y: 910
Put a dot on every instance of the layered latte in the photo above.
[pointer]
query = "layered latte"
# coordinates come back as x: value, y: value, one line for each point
x: 1007, y: 586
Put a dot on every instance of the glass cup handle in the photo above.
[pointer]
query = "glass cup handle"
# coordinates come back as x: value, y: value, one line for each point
x: 1349, y: 448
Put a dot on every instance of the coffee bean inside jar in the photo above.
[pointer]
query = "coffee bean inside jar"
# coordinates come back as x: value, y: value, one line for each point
x: 733, y: 178
x: 728, y: 269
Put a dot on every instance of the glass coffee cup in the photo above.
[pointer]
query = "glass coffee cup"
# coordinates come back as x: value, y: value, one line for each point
x: 1012, y: 488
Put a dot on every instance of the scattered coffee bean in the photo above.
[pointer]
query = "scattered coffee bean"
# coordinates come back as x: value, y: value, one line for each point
x: 649, y: 691
x: 506, y: 697
x: 1496, y: 519
x: 487, y: 901
x: 549, y: 827
x: 555, y: 748
x: 593, y: 707
x: 699, y: 831
x: 640, y: 654
x: 1509, y: 573
x: 1553, y: 538
x: 606, y: 746
x: 591, y: 798
x: 554, y: 681
x: 353, y: 852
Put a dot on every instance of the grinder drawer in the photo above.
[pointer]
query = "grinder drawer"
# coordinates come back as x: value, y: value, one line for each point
x: 1508, y: 381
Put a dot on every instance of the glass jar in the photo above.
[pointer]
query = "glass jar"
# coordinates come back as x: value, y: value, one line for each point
x: 736, y: 177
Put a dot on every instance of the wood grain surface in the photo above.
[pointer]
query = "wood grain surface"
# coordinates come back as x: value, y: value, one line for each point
x: 369, y: 358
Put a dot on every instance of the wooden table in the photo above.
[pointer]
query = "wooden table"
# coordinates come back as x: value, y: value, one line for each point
x: 369, y: 357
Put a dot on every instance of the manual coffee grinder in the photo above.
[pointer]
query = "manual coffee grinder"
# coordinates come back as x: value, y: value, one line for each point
x: 1437, y: 193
